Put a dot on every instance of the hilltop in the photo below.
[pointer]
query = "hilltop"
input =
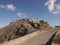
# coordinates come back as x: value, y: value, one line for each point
x: 22, y: 27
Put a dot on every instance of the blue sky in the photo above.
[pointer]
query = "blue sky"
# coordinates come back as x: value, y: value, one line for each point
x: 48, y: 10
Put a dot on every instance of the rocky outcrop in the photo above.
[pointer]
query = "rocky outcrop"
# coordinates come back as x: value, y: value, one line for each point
x: 20, y: 28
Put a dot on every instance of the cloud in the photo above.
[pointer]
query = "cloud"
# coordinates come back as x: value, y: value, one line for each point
x: 50, y: 4
x: 58, y: 6
x: 11, y: 7
x: 8, y: 7
x: 2, y: 6
x: 22, y: 15
x: 53, y: 7
x: 56, y: 12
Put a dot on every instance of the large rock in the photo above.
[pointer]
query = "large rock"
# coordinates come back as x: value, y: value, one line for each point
x: 19, y: 28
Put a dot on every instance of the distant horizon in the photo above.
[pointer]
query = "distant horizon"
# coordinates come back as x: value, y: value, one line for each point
x: 48, y: 10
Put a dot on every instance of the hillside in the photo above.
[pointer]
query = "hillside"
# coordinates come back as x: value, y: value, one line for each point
x: 22, y: 27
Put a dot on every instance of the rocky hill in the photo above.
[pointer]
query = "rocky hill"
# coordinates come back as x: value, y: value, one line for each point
x: 22, y: 27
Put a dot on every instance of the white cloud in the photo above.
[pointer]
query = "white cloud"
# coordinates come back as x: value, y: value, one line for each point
x: 58, y: 6
x: 53, y: 7
x: 50, y: 4
x: 2, y: 6
x: 8, y: 6
x: 56, y: 12
x: 22, y: 15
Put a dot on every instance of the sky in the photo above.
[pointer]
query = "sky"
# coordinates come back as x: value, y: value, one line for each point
x: 48, y: 10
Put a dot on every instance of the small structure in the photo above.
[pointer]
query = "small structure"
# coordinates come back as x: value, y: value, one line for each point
x: 57, y: 27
